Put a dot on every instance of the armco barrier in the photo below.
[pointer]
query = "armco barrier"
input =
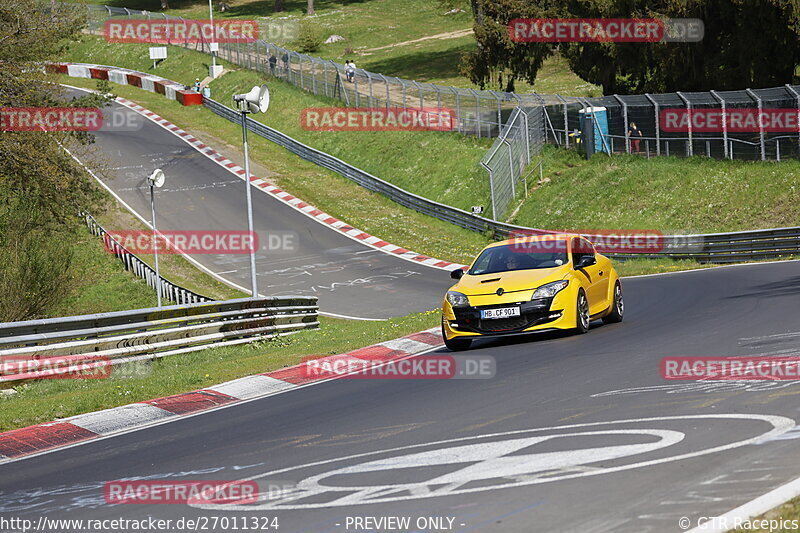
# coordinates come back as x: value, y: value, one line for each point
x: 155, y: 84
x: 142, y: 334
x: 132, y: 263
x: 711, y: 248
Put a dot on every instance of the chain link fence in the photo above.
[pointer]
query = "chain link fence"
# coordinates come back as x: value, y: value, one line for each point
x: 483, y: 113
x: 520, y: 141
x: 522, y: 123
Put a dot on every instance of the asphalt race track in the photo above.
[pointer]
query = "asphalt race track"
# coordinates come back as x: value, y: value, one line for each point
x: 574, y: 433
x: 349, y: 277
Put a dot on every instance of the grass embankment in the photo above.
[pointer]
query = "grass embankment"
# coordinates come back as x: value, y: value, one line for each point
x: 626, y: 192
x: 411, y: 39
x: 48, y: 400
x: 402, y: 158
x: 668, y: 193
x: 99, y: 283
x: 787, y: 515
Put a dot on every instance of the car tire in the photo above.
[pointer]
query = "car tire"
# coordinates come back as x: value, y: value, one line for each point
x: 617, y: 306
x: 582, y: 318
x: 457, y: 344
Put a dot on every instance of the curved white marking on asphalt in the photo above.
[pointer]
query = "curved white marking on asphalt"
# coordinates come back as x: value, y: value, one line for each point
x: 779, y: 424
x: 193, y: 261
x: 276, y: 391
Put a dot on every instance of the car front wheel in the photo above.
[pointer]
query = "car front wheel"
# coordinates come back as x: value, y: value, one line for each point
x: 582, y: 311
x: 617, y: 306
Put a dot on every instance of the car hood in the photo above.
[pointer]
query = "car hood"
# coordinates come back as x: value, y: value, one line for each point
x: 516, y: 280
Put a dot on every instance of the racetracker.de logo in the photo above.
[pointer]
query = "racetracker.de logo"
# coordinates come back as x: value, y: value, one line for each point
x: 183, y: 242
x: 620, y: 30
x: 180, y: 31
x: 180, y: 492
x: 56, y: 367
x: 378, y: 119
x: 50, y: 119
x: 730, y: 368
x: 422, y: 367
x: 604, y: 241
x: 743, y: 120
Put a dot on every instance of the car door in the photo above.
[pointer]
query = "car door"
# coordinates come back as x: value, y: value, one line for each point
x: 594, y: 277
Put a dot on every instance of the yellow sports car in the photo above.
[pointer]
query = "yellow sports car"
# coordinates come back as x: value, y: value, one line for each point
x: 531, y: 283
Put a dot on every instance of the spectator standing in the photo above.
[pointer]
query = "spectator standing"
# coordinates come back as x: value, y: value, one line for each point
x: 197, y: 85
x: 285, y: 59
x: 635, y: 136
x: 273, y: 61
x: 348, y: 70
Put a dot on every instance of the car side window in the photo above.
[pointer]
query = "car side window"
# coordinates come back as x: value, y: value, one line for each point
x: 482, y: 263
x: 581, y: 247
x: 589, y: 247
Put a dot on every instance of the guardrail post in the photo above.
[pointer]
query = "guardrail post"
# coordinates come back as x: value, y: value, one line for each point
x: 491, y: 188
x: 724, y: 122
x: 566, y: 122
x: 658, y: 125
x: 477, y: 112
x: 546, y: 119
x: 355, y: 88
x: 458, y: 109
x: 625, y: 120
x: 760, y: 103
x: 419, y: 88
x: 797, y: 97
x: 690, y: 147
x: 499, y: 114
x: 388, y: 97
x: 301, y: 70
x: 325, y: 77
x: 527, y: 140
x: 313, y: 76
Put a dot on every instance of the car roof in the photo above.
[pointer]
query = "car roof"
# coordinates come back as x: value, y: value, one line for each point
x: 533, y: 238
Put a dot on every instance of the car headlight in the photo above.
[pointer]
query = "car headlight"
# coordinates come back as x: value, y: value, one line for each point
x: 457, y: 299
x: 549, y: 290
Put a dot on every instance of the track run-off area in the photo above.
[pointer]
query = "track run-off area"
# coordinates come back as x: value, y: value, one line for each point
x: 573, y: 432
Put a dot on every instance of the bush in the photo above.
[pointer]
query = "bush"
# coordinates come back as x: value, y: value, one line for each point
x: 34, y: 263
x: 309, y: 39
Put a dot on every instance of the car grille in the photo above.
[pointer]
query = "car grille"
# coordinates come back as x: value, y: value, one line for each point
x: 504, y: 324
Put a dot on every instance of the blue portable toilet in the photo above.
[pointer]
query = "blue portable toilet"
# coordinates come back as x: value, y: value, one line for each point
x: 599, y: 116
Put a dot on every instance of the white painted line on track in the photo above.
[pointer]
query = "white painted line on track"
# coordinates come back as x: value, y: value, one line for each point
x: 751, y: 509
x: 176, y: 418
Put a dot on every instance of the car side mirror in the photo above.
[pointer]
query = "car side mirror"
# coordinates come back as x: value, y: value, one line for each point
x: 457, y: 273
x: 585, y: 261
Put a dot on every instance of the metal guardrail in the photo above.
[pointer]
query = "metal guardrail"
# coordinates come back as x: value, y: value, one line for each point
x: 716, y: 248
x: 484, y: 112
x: 33, y: 348
x: 713, y: 248
x: 132, y: 263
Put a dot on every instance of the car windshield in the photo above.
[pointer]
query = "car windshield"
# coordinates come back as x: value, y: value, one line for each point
x: 506, y: 258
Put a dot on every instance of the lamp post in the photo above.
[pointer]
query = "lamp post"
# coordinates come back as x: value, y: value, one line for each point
x: 255, y: 101
x: 156, y: 179
x: 213, y: 41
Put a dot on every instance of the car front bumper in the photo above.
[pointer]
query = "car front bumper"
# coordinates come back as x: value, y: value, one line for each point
x: 535, y: 315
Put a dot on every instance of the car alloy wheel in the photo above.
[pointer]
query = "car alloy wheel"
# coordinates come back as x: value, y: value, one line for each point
x: 583, y: 313
x: 617, y: 306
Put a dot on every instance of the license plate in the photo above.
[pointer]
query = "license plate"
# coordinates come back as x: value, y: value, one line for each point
x: 503, y: 312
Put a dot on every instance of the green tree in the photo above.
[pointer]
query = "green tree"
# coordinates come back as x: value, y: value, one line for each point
x: 41, y: 188
x: 747, y: 43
